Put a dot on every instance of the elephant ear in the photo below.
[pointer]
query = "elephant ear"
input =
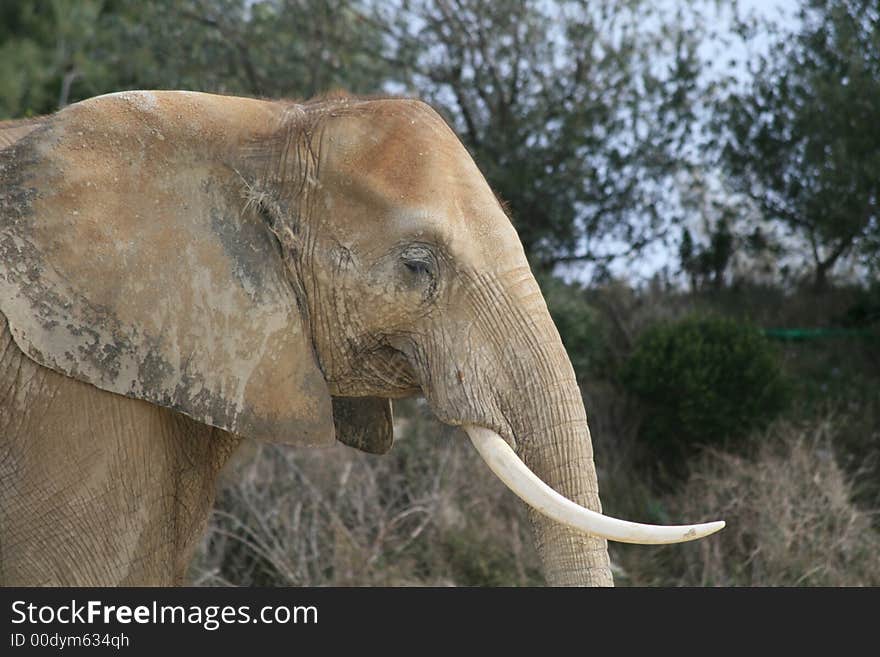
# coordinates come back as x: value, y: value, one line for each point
x: 365, y: 423
x: 130, y: 260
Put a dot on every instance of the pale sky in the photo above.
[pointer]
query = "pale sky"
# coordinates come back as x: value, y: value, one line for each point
x: 654, y: 258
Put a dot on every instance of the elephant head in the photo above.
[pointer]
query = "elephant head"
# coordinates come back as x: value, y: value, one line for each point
x: 282, y: 271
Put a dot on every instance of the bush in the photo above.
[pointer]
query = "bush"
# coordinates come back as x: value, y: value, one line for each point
x: 702, y: 381
x: 790, y: 515
x: 791, y: 519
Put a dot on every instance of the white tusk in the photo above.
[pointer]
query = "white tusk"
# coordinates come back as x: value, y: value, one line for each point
x: 504, y: 462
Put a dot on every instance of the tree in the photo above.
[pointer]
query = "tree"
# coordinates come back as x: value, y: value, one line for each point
x: 271, y: 48
x: 709, y: 264
x: 576, y: 111
x: 57, y: 51
x: 803, y: 138
x: 44, y: 50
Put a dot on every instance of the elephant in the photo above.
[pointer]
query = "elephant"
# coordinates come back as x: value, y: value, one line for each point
x: 180, y: 271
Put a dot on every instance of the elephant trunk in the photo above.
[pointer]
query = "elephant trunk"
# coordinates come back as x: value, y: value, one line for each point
x: 549, y: 424
x: 554, y: 470
x: 565, y: 463
x: 559, y: 452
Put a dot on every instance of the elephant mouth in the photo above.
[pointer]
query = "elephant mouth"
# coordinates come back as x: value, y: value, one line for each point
x: 507, y: 466
x: 379, y: 370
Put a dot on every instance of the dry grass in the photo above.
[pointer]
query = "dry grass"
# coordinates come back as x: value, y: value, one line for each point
x: 430, y: 514
x: 791, y: 520
x: 427, y: 514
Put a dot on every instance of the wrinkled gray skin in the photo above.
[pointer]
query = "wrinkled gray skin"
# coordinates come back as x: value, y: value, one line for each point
x: 178, y: 270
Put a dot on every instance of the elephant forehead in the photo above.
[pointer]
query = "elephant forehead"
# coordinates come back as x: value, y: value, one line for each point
x: 411, y: 168
x: 475, y: 235
x: 402, y: 152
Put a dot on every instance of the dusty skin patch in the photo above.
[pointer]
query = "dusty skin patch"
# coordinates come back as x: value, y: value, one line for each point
x: 126, y: 262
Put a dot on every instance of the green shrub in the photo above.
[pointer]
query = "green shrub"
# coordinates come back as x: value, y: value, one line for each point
x: 702, y: 381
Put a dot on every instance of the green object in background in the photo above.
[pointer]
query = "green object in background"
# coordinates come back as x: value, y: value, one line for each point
x: 796, y: 334
x: 702, y: 381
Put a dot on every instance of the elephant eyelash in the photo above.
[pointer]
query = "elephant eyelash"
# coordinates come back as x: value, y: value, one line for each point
x: 418, y: 267
x: 419, y: 259
x: 420, y: 264
x: 424, y: 271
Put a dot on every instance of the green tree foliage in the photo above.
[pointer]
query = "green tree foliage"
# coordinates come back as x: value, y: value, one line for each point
x: 576, y: 111
x: 702, y: 381
x: 803, y: 138
x: 47, y: 47
x: 272, y: 48
x: 57, y: 51
x: 706, y: 266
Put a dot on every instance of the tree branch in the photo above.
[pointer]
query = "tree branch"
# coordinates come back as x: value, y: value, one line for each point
x: 234, y: 37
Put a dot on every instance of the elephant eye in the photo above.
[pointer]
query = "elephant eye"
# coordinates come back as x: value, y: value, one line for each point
x: 421, y: 269
x: 418, y: 267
